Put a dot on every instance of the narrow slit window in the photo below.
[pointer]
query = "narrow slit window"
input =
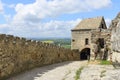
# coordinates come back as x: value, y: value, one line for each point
x: 86, y: 41
x: 102, y: 26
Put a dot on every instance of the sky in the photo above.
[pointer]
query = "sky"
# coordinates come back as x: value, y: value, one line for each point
x: 51, y: 18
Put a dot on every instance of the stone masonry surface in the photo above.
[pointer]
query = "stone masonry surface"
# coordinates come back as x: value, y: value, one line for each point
x: 18, y: 55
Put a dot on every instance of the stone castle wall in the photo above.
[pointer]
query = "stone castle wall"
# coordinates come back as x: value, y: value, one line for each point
x: 78, y: 39
x: 115, y: 38
x: 92, y: 35
x: 18, y: 54
x: 103, y: 33
x: 115, y: 27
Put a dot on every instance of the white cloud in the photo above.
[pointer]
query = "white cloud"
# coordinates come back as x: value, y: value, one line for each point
x: 43, y: 8
x: 1, y: 7
x: 49, y: 29
x: 27, y: 20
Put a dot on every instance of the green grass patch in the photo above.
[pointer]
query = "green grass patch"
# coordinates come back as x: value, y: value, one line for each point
x: 104, y: 62
x: 67, y: 46
x: 78, y: 72
x: 48, y: 41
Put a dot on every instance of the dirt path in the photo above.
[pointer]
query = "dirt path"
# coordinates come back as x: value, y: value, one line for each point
x: 60, y: 71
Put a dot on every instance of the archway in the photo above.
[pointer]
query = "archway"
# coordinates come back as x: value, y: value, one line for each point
x: 85, y: 54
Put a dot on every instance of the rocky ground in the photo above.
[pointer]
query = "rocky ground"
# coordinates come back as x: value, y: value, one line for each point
x: 100, y: 72
x: 71, y: 70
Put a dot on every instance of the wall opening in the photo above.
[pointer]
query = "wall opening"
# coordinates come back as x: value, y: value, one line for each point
x: 85, y: 54
x: 102, y: 26
x: 73, y: 40
x: 86, y: 41
x: 101, y: 42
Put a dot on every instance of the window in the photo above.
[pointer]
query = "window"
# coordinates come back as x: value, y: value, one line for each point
x: 86, y: 41
x: 73, y: 40
x: 102, y: 26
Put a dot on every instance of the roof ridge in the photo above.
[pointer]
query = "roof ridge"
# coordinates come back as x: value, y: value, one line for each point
x: 94, y: 17
x: 89, y: 23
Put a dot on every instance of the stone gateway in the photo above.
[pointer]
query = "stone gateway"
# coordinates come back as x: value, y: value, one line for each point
x: 90, y: 37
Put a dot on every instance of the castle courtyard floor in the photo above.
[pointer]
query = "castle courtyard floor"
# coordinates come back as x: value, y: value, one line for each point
x: 60, y: 71
x: 70, y: 70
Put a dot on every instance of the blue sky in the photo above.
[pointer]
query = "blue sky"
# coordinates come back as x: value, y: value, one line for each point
x: 51, y: 18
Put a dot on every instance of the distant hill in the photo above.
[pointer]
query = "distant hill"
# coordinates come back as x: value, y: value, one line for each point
x: 63, y: 42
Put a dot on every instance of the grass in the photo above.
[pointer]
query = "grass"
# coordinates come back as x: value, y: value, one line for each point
x: 48, y: 41
x: 67, y: 46
x: 104, y: 62
x: 78, y: 72
x: 102, y: 73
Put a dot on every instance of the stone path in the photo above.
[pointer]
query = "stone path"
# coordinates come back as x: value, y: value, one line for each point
x: 60, y: 71
x: 67, y: 71
x: 100, y: 72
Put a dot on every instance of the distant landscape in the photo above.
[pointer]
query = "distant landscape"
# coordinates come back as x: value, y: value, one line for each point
x: 63, y: 42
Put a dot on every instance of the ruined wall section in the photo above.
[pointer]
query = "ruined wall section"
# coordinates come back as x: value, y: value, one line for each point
x: 18, y: 54
x: 115, y: 27
x: 115, y: 38
x: 103, y: 33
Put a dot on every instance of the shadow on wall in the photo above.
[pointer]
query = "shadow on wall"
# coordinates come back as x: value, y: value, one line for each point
x: 85, y: 54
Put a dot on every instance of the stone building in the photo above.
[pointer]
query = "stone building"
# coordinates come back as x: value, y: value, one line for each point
x: 90, y: 34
